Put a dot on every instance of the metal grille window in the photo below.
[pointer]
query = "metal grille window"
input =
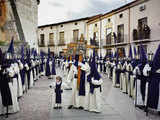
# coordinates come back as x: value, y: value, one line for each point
x: 75, y: 35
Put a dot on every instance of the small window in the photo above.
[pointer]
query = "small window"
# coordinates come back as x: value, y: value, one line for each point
x: 109, y: 20
x: 75, y: 35
x: 51, y: 27
x: 95, y: 25
x: 42, y: 37
x: 61, y: 25
x: 42, y: 29
x: 142, y: 8
x: 51, y: 38
x: 76, y: 23
x: 61, y: 38
x: 121, y: 16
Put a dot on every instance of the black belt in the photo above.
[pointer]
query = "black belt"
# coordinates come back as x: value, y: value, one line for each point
x: 15, y: 76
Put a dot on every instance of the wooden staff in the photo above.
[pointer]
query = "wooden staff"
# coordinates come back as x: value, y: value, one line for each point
x: 79, y: 72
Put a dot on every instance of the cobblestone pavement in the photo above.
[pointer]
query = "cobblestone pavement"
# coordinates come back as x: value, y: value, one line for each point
x: 37, y: 104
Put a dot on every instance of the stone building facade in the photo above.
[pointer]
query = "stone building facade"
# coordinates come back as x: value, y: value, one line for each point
x: 58, y: 36
x: 19, y: 21
x: 132, y: 24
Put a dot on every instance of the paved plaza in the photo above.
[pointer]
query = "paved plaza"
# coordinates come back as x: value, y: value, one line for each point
x: 37, y: 104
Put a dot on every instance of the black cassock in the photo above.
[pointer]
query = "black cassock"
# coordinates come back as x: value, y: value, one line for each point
x: 58, y: 92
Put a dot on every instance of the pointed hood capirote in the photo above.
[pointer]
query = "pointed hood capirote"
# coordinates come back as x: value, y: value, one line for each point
x: 156, y: 60
x: 153, y: 88
x: 130, y: 53
x: 53, y: 66
x: 135, y: 52
x: 143, y: 56
x: 1, y: 57
x: 11, y: 47
x: 94, y: 72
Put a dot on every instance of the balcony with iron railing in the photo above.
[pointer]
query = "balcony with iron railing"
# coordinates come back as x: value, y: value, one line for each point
x: 94, y: 42
x: 61, y: 43
x: 141, y: 35
x: 115, y: 40
x: 50, y: 44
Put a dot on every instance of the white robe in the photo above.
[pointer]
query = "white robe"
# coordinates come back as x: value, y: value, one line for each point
x: 96, y: 98
x: 19, y: 82
x: 31, y: 79
x: 114, y: 75
x: 121, y: 78
x: 13, y: 88
x: 137, y: 92
x: 76, y: 100
x: 124, y: 79
x: 129, y: 80
x: 107, y: 69
x: 119, y: 67
x: 25, y: 86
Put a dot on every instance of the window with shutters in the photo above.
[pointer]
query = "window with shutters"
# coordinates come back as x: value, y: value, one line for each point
x: 120, y: 33
x: 51, y: 38
x: 61, y: 38
x: 75, y: 35
x: 143, y: 28
x: 42, y: 39
x: 108, y: 36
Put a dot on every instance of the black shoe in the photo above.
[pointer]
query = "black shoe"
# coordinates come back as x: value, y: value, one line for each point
x: 70, y: 107
x: 55, y: 107
x: 60, y: 107
x: 81, y: 108
x: 159, y: 113
x: 142, y: 107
